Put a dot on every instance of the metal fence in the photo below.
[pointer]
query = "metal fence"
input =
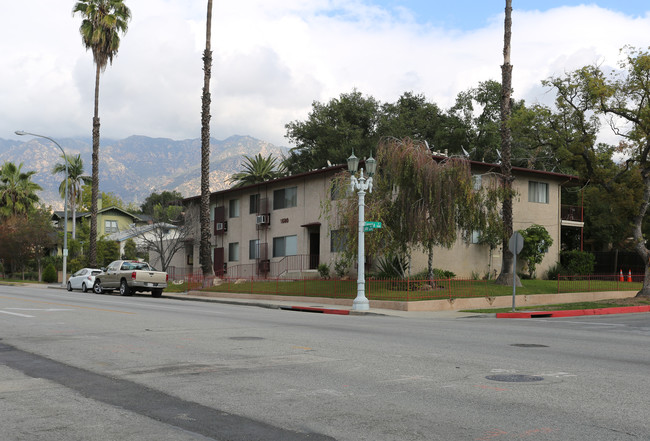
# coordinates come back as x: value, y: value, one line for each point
x: 376, y: 289
x: 594, y: 283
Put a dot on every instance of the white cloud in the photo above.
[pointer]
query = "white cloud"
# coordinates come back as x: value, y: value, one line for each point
x: 271, y: 60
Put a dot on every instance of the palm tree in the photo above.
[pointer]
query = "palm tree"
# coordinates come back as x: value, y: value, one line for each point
x: 507, y: 274
x: 204, y: 246
x: 102, y: 23
x: 76, y: 180
x: 258, y: 169
x: 17, y: 191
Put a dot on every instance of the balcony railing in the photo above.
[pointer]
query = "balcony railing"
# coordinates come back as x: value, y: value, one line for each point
x: 572, y: 213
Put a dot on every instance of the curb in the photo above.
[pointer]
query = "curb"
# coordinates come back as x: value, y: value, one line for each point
x: 575, y: 312
x: 314, y: 309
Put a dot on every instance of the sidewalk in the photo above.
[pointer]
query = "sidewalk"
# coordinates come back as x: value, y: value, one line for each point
x: 290, y: 304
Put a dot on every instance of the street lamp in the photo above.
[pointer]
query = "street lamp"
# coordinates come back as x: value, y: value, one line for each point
x: 361, y: 184
x: 65, y: 202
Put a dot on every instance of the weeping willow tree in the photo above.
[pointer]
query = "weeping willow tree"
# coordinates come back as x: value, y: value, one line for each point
x: 422, y: 201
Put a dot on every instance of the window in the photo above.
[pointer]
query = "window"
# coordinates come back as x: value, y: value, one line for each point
x: 110, y: 226
x: 476, y: 236
x: 538, y: 192
x: 285, y: 246
x: 254, y: 249
x: 254, y: 206
x: 477, y: 181
x: 233, y: 252
x: 234, y: 208
x: 285, y: 198
x: 338, y: 190
x: 337, y: 241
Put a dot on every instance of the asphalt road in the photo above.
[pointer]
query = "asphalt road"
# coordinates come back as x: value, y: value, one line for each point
x: 77, y: 366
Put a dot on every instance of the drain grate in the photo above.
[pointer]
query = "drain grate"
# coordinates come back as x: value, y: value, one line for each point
x: 514, y: 378
x: 528, y: 345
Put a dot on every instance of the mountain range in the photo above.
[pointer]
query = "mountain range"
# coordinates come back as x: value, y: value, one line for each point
x: 134, y: 167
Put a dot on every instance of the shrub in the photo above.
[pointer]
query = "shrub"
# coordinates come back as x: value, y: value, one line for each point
x: 537, y: 241
x: 578, y: 262
x: 324, y: 270
x: 554, y: 271
x: 49, y: 274
x: 340, y: 268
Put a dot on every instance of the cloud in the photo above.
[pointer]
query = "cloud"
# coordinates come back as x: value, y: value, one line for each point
x: 272, y: 59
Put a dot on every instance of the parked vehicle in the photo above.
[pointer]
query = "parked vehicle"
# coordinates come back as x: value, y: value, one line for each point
x: 84, y: 279
x: 130, y: 276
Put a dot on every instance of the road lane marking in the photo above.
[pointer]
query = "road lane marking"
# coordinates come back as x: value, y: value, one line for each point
x: 15, y: 313
x: 64, y: 304
x: 39, y: 309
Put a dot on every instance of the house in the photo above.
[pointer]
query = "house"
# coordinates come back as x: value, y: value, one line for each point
x: 110, y: 220
x: 276, y: 228
x: 143, y: 235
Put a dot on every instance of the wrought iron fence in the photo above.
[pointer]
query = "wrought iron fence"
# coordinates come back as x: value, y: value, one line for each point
x: 595, y: 283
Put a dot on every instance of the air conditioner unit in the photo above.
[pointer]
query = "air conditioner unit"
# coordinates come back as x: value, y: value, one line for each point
x: 262, y: 219
x: 265, y: 266
x: 222, y: 226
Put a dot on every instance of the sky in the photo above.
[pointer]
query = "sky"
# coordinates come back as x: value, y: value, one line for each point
x: 274, y: 58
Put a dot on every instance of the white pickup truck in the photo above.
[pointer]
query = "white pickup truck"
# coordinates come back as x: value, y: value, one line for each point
x: 130, y: 276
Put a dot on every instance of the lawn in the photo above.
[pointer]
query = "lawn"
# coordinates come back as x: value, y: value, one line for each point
x: 402, y: 290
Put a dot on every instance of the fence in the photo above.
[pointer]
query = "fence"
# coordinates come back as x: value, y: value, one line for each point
x: 376, y: 289
x: 594, y: 283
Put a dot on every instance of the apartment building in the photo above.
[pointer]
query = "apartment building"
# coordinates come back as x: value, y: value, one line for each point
x: 278, y: 228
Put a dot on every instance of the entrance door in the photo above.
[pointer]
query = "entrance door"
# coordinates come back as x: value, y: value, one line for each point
x: 314, y: 250
x: 219, y: 262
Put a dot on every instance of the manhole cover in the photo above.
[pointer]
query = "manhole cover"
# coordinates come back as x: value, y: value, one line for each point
x: 246, y: 338
x: 528, y: 345
x: 514, y: 378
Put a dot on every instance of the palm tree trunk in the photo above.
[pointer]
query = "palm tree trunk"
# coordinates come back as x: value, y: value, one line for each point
x: 507, y: 273
x: 73, y: 204
x: 92, y: 258
x: 205, y: 248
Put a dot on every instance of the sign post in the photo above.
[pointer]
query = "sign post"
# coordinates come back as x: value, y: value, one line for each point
x: 515, y: 244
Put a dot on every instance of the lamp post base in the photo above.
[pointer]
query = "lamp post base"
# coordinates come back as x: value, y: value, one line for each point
x: 360, y: 304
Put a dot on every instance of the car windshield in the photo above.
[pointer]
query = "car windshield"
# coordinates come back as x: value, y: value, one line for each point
x: 94, y: 273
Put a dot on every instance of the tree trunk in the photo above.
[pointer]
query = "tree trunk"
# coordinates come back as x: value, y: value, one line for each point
x: 430, y: 261
x: 507, y: 273
x: 92, y: 254
x: 204, y: 247
x: 639, y: 240
x: 73, y: 203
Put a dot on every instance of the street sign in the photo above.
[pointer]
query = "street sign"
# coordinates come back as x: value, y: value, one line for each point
x: 516, y: 243
x: 373, y: 224
x: 367, y: 228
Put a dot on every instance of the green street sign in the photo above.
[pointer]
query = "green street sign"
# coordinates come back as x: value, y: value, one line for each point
x: 373, y: 224
x: 367, y: 228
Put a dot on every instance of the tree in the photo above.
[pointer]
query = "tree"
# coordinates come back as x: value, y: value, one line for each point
x: 507, y: 276
x: 204, y: 246
x: 17, y: 191
x: 421, y: 201
x: 24, y: 238
x: 332, y: 131
x: 166, y: 198
x: 102, y: 23
x: 75, y: 180
x: 166, y: 236
x: 257, y: 169
x: 537, y: 241
x: 623, y: 96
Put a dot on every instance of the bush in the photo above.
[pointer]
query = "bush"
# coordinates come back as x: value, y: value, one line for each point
x: 324, y: 271
x: 438, y: 274
x: 554, y: 271
x: 49, y: 274
x: 578, y: 262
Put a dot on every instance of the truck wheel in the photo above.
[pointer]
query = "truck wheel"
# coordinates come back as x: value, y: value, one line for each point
x: 156, y: 292
x: 124, y: 288
x: 97, y: 287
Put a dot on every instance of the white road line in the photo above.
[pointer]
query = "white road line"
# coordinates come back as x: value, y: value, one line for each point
x: 39, y: 309
x: 15, y: 313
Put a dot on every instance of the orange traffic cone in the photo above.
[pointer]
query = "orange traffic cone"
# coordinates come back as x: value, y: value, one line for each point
x: 629, y: 276
x: 620, y: 277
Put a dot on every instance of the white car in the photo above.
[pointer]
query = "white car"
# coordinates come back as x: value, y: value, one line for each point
x: 84, y: 279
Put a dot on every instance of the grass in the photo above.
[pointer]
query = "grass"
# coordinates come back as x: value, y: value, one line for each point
x: 402, y: 290
x: 632, y: 301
